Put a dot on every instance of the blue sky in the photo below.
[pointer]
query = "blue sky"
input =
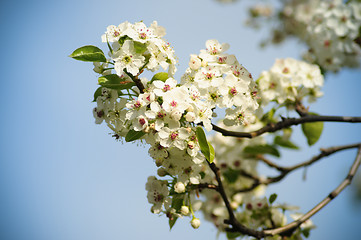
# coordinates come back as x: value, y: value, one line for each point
x: 64, y: 178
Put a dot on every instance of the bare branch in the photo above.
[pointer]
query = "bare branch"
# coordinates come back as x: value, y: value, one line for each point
x: 286, y: 170
x: 291, y: 227
x: 238, y: 227
x: 204, y: 185
x: 324, y: 153
x: 136, y: 80
x: 347, y: 181
x: 285, y: 123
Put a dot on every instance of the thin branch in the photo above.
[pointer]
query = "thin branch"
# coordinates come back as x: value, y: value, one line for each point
x: 324, y: 153
x: 286, y: 170
x: 232, y: 219
x: 221, y: 190
x: 285, y: 123
x: 269, y: 163
x: 204, y: 185
x: 289, y: 228
x: 136, y: 80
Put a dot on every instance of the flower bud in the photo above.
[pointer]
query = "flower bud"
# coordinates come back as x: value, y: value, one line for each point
x: 191, y: 144
x: 159, y: 162
x: 195, y: 223
x: 179, y: 187
x: 234, y: 205
x: 184, y: 210
x: 194, y: 62
x: 161, y: 172
x: 204, y: 63
x: 190, y: 116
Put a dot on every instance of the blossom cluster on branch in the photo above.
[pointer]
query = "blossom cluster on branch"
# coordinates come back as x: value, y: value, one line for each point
x: 214, y: 174
x: 330, y: 28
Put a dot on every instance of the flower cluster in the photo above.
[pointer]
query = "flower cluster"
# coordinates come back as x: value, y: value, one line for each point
x: 221, y: 81
x: 332, y: 33
x: 330, y: 28
x: 135, y: 46
x: 166, y: 115
x: 289, y: 81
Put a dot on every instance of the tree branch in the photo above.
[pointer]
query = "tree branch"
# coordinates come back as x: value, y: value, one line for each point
x: 136, y: 80
x: 232, y: 219
x: 204, y: 185
x: 285, y: 123
x: 286, y: 170
x: 289, y: 228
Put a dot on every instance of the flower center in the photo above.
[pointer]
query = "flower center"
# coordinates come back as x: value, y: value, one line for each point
x: 214, y: 96
x: 173, y: 136
x: 222, y: 59
x: 166, y: 88
x: 158, y: 197
x: 173, y: 103
x: 142, y: 121
x: 137, y: 104
x: 209, y: 76
x: 240, y: 117
x: 127, y: 59
x: 236, y: 73
x: 233, y: 91
x: 327, y: 43
x: 161, y: 115
x: 285, y: 70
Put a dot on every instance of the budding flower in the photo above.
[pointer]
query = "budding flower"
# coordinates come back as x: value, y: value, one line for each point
x: 179, y: 187
x: 195, y: 223
x: 234, y: 205
x: 194, y: 62
x: 161, y: 172
x: 159, y: 162
x: 184, y: 210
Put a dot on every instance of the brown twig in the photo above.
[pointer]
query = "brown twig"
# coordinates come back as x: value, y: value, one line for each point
x: 232, y: 219
x: 136, y: 80
x: 204, y: 185
x: 286, y: 170
x: 285, y: 123
x: 289, y: 228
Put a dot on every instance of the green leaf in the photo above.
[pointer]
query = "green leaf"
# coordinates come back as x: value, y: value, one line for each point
x: 133, y: 135
x: 233, y: 235
x: 177, y: 201
x: 285, y: 143
x: 162, y: 76
x: 97, y: 93
x: 272, y: 198
x: 172, y: 221
x: 89, y: 54
x: 262, y: 149
x: 123, y: 39
x: 113, y: 81
x: 306, y: 232
x: 312, y: 131
x: 231, y: 175
x: 206, y: 148
x: 139, y: 47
